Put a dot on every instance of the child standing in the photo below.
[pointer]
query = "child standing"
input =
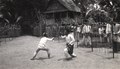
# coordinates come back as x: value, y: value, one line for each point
x: 42, y: 46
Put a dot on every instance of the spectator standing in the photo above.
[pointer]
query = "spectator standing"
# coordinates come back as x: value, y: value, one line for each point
x: 108, y: 32
x: 86, y: 31
x: 116, y: 38
x: 101, y: 32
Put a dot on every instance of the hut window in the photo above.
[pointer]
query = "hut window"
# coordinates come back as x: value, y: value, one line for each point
x: 49, y: 16
x: 71, y: 15
x: 57, y: 17
x: 63, y: 15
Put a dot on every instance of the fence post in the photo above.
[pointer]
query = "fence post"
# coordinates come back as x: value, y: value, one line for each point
x: 91, y: 41
x: 112, y: 42
x: 92, y: 47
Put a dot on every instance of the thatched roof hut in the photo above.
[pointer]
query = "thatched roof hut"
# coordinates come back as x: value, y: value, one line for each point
x: 59, y: 12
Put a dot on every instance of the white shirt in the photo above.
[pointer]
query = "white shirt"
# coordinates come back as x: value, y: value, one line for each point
x: 70, y: 38
x: 101, y: 30
x: 43, y: 41
x: 117, y: 29
x: 86, y: 29
x: 108, y: 28
x: 78, y: 29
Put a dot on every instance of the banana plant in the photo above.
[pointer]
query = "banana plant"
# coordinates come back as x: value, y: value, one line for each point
x: 9, y: 13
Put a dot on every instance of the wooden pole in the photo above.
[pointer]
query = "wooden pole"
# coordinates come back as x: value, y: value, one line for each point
x: 59, y: 28
x: 77, y: 31
x: 67, y: 17
x: 53, y: 24
x: 112, y: 42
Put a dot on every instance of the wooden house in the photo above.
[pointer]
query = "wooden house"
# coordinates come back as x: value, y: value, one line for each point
x: 60, y: 13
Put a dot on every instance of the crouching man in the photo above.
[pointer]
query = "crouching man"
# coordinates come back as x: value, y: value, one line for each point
x: 69, y: 50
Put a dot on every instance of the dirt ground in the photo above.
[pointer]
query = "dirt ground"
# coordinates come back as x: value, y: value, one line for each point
x: 16, y: 54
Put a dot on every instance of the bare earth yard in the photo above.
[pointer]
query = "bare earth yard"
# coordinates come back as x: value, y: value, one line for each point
x: 16, y: 54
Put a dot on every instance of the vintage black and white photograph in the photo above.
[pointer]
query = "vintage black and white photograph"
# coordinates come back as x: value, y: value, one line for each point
x: 59, y: 34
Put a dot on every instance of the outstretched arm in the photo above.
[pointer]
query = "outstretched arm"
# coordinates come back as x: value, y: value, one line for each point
x: 50, y: 38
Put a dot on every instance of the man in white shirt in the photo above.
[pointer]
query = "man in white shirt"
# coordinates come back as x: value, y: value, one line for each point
x: 117, y: 32
x: 86, y: 34
x: 108, y: 32
x: 69, y: 44
x: 86, y: 28
x: 78, y: 31
x: 42, y: 46
x: 116, y: 39
x: 101, y: 32
x: 108, y: 28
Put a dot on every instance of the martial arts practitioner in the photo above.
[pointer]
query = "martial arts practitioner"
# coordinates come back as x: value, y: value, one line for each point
x: 42, y: 46
x: 69, y: 44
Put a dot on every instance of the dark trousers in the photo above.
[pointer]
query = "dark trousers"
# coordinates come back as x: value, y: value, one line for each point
x: 115, y: 48
x: 70, y: 48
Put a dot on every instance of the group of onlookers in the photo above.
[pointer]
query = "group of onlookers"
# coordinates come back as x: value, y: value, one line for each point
x: 86, y: 30
x: 104, y: 31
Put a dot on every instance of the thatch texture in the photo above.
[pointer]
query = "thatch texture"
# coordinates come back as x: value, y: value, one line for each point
x: 62, y: 6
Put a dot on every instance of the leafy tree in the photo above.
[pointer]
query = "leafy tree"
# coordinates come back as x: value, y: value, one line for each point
x: 108, y: 8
